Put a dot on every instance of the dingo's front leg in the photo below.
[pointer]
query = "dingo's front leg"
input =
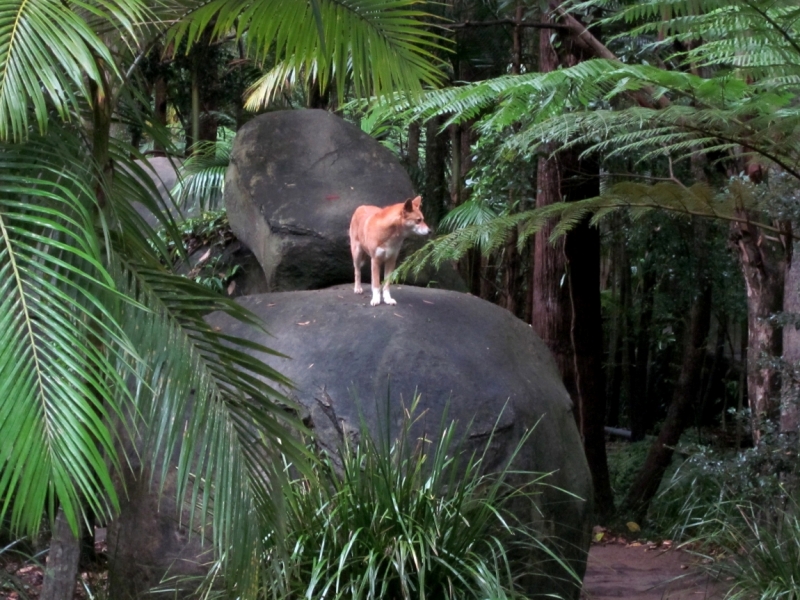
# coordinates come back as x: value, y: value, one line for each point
x: 376, y: 282
x: 387, y: 271
x: 358, y: 261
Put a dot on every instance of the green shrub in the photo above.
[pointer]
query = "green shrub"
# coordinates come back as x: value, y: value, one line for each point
x: 764, y: 554
x: 406, y: 519
x: 742, y: 506
x: 625, y: 460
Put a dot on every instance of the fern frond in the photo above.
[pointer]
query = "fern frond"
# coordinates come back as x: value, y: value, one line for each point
x: 202, y: 176
x: 637, y: 198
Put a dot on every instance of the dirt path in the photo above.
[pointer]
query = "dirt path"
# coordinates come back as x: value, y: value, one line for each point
x: 644, y: 572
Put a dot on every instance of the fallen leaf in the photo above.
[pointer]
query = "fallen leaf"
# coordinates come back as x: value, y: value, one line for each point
x: 427, y: 302
x: 633, y: 526
x: 231, y: 288
x: 311, y: 365
x: 306, y: 323
x: 205, y: 256
x: 396, y: 315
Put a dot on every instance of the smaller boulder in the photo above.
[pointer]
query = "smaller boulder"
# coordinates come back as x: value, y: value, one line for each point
x: 294, y: 181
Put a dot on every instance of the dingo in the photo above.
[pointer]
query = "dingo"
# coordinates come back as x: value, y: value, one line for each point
x: 380, y: 232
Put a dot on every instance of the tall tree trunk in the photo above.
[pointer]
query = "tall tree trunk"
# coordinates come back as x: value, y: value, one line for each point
x: 509, y: 297
x: 763, y: 264
x: 65, y: 545
x: 567, y: 316
x: 686, y: 390
x: 619, y: 264
x: 435, y: 190
x: 412, y: 156
x: 790, y: 394
x: 160, y: 112
x: 511, y: 266
x: 640, y: 410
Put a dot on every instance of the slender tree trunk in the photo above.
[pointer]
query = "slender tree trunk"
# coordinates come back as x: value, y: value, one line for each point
x: 614, y: 360
x: 455, y: 165
x: 790, y: 394
x: 192, y: 139
x: 435, y: 190
x: 61, y: 569
x: 509, y: 293
x: 641, y: 412
x: 412, y: 155
x: 686, y: 390
x: 510, y: 256
x: 160, y: 98
x: 65, y: 546
x: 764, y: 267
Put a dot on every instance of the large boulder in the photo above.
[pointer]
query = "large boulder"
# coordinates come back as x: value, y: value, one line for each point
x: 150, y: 543
x: 351, y: 361
x: 294, y: 180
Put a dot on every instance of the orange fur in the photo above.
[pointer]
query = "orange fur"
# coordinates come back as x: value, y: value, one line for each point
x: 379, y: 233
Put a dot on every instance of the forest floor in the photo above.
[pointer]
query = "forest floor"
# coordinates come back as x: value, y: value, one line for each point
x: 647, y: 571
x: 616, y: 569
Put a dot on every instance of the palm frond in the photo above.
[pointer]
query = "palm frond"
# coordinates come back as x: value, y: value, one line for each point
x: 200, y: 396
x: 757, y: 37
x: 384, y: 44
x: 205, y: 400
x: 63, y: 355
x: 283, y: 77
x: 472, y: 212
x: 48, y: 56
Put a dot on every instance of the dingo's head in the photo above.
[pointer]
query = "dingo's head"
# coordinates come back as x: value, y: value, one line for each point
x: 412, y: 217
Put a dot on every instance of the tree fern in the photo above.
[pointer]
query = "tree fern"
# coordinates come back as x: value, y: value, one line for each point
x: 637, y: 198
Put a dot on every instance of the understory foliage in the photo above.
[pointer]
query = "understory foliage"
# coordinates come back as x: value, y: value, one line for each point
x: 742, y: 508
x: 412, y: 518
x: 729, y: 98
x: 100, y: 341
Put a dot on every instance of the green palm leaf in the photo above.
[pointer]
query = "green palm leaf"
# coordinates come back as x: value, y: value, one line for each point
x: 200, y: 397
x: 212, y: 404
x: 86, y: 311
x: 58, y: 382
x: 48, y: 56
x: 384, y: 44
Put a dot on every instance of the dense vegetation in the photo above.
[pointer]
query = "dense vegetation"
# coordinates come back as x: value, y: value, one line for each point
x: 623, y: 176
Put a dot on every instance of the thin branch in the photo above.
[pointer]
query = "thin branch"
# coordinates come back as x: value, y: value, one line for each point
x: 531, y: 24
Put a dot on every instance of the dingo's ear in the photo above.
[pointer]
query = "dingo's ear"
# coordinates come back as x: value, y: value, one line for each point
x: 417, y: 202
x: 408, y: 206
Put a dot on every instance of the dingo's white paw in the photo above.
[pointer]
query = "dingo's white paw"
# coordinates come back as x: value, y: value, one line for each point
x: 389, y: 300
x: 357, y: 289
